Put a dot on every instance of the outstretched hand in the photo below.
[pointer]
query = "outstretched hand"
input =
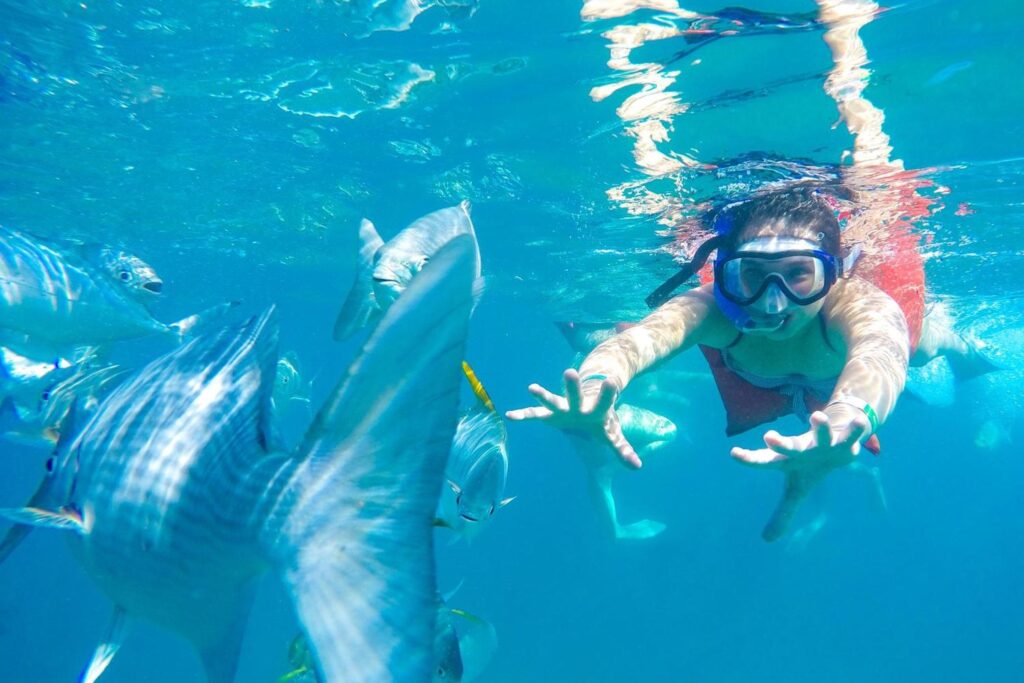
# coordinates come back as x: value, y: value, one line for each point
x: 805, y: 459
x: 593, y: 414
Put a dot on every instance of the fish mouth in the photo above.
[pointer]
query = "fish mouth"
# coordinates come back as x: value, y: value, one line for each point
x: 155, y: 287
x: 468, y: 517
x: 385, y: 280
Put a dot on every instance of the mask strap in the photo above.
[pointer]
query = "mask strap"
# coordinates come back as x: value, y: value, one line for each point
x: 686, y: 271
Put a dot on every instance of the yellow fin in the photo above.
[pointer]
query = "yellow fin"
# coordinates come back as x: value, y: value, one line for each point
x: 478, y: 387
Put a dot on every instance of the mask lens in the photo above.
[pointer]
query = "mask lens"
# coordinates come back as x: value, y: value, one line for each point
x: 745, y: 277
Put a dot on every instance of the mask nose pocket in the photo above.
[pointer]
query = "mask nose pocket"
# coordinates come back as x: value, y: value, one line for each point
x: 773, y: 300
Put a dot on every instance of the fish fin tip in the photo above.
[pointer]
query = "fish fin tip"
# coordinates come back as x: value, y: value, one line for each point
x: 105, y: 651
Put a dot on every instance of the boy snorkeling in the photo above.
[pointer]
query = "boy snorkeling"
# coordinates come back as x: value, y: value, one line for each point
x: 787, y: 326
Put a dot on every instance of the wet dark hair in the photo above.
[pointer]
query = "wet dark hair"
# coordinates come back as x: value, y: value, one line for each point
x: 799, y: 212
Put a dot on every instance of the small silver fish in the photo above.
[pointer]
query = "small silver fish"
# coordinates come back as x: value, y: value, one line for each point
x: 645, y: 430
x: 176, y: 507
x: 53, y: 300
x: 289, y: 385
x: 477, y: 466
x: 384, y: 270
x: 477, y: 642
x: 447, y: 656
x: 40, y: 424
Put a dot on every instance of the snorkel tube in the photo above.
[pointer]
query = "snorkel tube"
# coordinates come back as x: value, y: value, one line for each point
x: 664, y: 291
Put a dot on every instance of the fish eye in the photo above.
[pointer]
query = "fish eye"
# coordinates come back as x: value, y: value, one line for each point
x: 440, y: 672
x: 46, y: 394
x: 492, y: 509
x: 458, y: 499
x: 51, y: 463
x: 125, y: 275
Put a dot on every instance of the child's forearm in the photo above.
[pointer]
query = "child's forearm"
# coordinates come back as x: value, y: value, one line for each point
x: 674, y: 326
x: 877, y: 356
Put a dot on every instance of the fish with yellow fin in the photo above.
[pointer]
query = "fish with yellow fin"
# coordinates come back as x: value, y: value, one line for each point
x: 477, y: 466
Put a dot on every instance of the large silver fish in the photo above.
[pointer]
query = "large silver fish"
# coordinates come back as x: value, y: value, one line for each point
x: 477, y: 467
x: 175, y: 506
x: 384, y: 270
x: 55, y: 299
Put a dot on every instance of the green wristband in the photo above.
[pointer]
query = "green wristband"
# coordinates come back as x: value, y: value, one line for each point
x: 862, y: 405
x: 872, y: 416
x: 590, y: 377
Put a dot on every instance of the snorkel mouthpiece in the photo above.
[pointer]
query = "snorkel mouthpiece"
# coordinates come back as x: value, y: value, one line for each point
x: 751, y: 327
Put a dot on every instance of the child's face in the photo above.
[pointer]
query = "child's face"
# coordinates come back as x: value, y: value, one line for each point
x: 779, y: 279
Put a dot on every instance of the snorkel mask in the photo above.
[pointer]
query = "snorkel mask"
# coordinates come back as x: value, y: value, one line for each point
x: 758, y: 283
x: 766, y: 275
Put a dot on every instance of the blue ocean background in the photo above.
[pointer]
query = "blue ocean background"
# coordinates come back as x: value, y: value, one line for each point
x: 234, y: 145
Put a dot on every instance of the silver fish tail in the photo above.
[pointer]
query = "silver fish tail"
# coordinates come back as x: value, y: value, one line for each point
x: 352, y: 526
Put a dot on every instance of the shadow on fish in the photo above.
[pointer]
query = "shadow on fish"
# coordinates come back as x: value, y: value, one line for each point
x: 175, y: 505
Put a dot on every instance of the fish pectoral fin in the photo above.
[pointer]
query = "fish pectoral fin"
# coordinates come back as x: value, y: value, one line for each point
x: 105, y: 651
x: 506, y: 501
x: 66, y: 518
x: 456, y: 489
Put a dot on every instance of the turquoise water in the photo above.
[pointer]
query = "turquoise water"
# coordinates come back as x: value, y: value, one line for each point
x: 236, y: 145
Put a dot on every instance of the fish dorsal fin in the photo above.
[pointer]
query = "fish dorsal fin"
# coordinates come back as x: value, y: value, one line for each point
x: 478, y: 387
x: 360, y: 307
x: 368, y: 481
